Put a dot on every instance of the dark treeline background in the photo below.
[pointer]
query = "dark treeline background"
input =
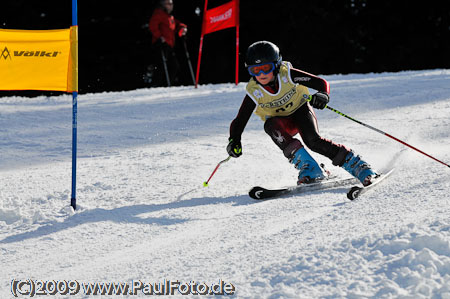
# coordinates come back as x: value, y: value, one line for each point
x: 321, y: 37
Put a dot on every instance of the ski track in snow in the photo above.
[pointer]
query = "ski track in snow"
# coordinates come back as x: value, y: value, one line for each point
x: 143, y: 213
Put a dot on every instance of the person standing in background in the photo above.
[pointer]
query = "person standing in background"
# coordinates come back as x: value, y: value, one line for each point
x: 164, y: 28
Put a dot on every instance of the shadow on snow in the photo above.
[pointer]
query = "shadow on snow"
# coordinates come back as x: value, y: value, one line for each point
x: 127, y: 214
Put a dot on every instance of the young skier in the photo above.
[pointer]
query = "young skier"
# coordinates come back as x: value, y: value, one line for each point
x: 279, y: 93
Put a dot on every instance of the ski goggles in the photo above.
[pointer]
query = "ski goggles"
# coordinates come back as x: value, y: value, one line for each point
x: 257, y: 69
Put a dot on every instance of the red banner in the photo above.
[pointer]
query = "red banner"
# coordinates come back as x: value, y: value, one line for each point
x: 222, y: 17
x: 215, y: 19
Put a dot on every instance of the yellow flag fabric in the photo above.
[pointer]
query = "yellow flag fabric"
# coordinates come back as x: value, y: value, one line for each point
x: 39, y: 59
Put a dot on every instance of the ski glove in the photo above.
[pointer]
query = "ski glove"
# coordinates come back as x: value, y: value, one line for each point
x: 234, y: 148
x: 320, y: 100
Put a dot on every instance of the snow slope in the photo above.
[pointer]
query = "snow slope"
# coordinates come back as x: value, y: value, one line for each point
x: 144, y: 215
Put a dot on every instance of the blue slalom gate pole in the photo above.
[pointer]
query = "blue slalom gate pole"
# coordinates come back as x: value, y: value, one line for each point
x: 73, y: 198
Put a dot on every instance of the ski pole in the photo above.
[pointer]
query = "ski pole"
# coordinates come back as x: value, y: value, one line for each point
x: 188, y: 59
x: 166, y: 70
x: 385, y: 134
x: 205, y: 184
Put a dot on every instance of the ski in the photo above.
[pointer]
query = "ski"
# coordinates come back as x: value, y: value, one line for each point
x: 357, y: 191
x: 260, y: 193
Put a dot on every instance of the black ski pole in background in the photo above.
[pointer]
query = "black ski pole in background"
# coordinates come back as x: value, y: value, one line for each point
x: 188, y: 59
x: 385, y: 134
x: 166, y: 70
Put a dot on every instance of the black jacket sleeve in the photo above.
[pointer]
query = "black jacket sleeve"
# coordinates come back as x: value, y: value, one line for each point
x: 310, y: 80
x: 238, y: 124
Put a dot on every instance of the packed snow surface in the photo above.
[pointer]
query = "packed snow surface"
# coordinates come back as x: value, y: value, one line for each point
x: 144, y: 216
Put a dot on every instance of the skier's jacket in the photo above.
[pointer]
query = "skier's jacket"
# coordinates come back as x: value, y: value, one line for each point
x: 289, y: 97
x: 165, y: 25
x: 283, y: 99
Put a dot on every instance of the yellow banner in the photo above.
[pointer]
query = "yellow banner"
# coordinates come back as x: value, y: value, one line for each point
x: 39, y: 59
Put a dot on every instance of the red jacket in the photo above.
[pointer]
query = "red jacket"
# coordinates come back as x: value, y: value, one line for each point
x: 165, y: 25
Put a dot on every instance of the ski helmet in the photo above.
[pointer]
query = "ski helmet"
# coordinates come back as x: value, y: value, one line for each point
x: 261, y: 52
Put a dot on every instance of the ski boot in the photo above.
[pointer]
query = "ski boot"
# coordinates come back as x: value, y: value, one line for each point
x: 359, y: 168
x: 310, y: 171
